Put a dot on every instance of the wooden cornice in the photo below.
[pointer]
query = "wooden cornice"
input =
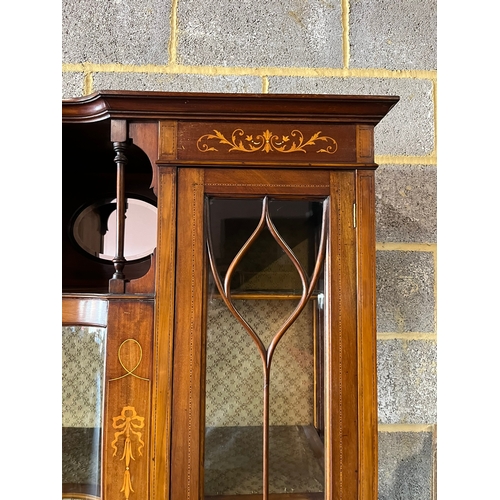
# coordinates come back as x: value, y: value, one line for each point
x: 304, y: 108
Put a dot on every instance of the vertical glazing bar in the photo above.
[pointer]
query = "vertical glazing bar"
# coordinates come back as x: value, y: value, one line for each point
x: 315, y: 364
x: 265, y: 439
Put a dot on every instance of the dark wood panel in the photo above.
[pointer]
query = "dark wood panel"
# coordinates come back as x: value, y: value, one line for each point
x: 310, y: 108
x: 145, y: 136
x: 255, y: 142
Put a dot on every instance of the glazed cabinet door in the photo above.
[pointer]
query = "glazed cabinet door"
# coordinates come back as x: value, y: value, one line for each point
x: 265, y: 340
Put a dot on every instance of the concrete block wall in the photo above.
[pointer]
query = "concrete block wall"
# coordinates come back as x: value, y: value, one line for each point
x: 314, y: 46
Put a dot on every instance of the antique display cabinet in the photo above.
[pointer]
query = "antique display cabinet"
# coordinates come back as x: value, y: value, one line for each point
x: 218, y: 304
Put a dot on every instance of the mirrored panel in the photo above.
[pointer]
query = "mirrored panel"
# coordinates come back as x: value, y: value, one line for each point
x: 83, y: 351
x: 264, y: 425
x: 94, y: 229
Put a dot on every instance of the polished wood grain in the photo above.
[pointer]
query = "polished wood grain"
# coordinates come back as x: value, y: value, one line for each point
x: 163, y: 335
x: 188, y: 426
x: 320, y: 108
x: 341, y: 431
x: 167, y: 140
x: 127, y: 409
x: 84, y: 311
x: 145, y: 284
x: 364, y: 143
x: 181, y: 147
x: 119, y: 140
x: 256, y: 182
x: 367, y: 336
x: 117, y: 282
x: 145, y: 136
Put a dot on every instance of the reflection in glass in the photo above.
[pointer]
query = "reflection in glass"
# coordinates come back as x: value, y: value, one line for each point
x: 263, y: 431
x: 83, y: 350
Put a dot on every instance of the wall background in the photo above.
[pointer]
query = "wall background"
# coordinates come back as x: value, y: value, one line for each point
x: 313, y: 46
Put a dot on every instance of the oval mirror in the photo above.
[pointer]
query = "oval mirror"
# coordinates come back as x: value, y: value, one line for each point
x: 94, y: 229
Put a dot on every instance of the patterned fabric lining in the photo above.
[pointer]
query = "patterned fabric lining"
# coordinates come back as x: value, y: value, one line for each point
x: 233, y: 461
x: 81, y: 456
x: 82, y: 375
x: 82, y: 379
x: 234, y: 380
x: 234, y: 394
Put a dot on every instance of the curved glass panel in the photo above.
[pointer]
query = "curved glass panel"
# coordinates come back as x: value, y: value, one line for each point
x: 265, y: 258
x: 83, y: 350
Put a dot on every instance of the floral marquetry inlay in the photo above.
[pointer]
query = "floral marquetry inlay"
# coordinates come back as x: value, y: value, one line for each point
x: 267, y: 141
x: 128, y: 424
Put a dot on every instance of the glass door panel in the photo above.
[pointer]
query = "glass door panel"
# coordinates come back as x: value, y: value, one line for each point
x: 295, y: 445
x: 83, y: 350
x: 263, y: 431
x: 233, y: 418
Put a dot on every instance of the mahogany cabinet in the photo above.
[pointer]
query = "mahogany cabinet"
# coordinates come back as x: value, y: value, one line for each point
x: 218, y: 279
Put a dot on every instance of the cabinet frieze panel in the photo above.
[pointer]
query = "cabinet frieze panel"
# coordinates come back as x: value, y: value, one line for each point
x: 265, y: 142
